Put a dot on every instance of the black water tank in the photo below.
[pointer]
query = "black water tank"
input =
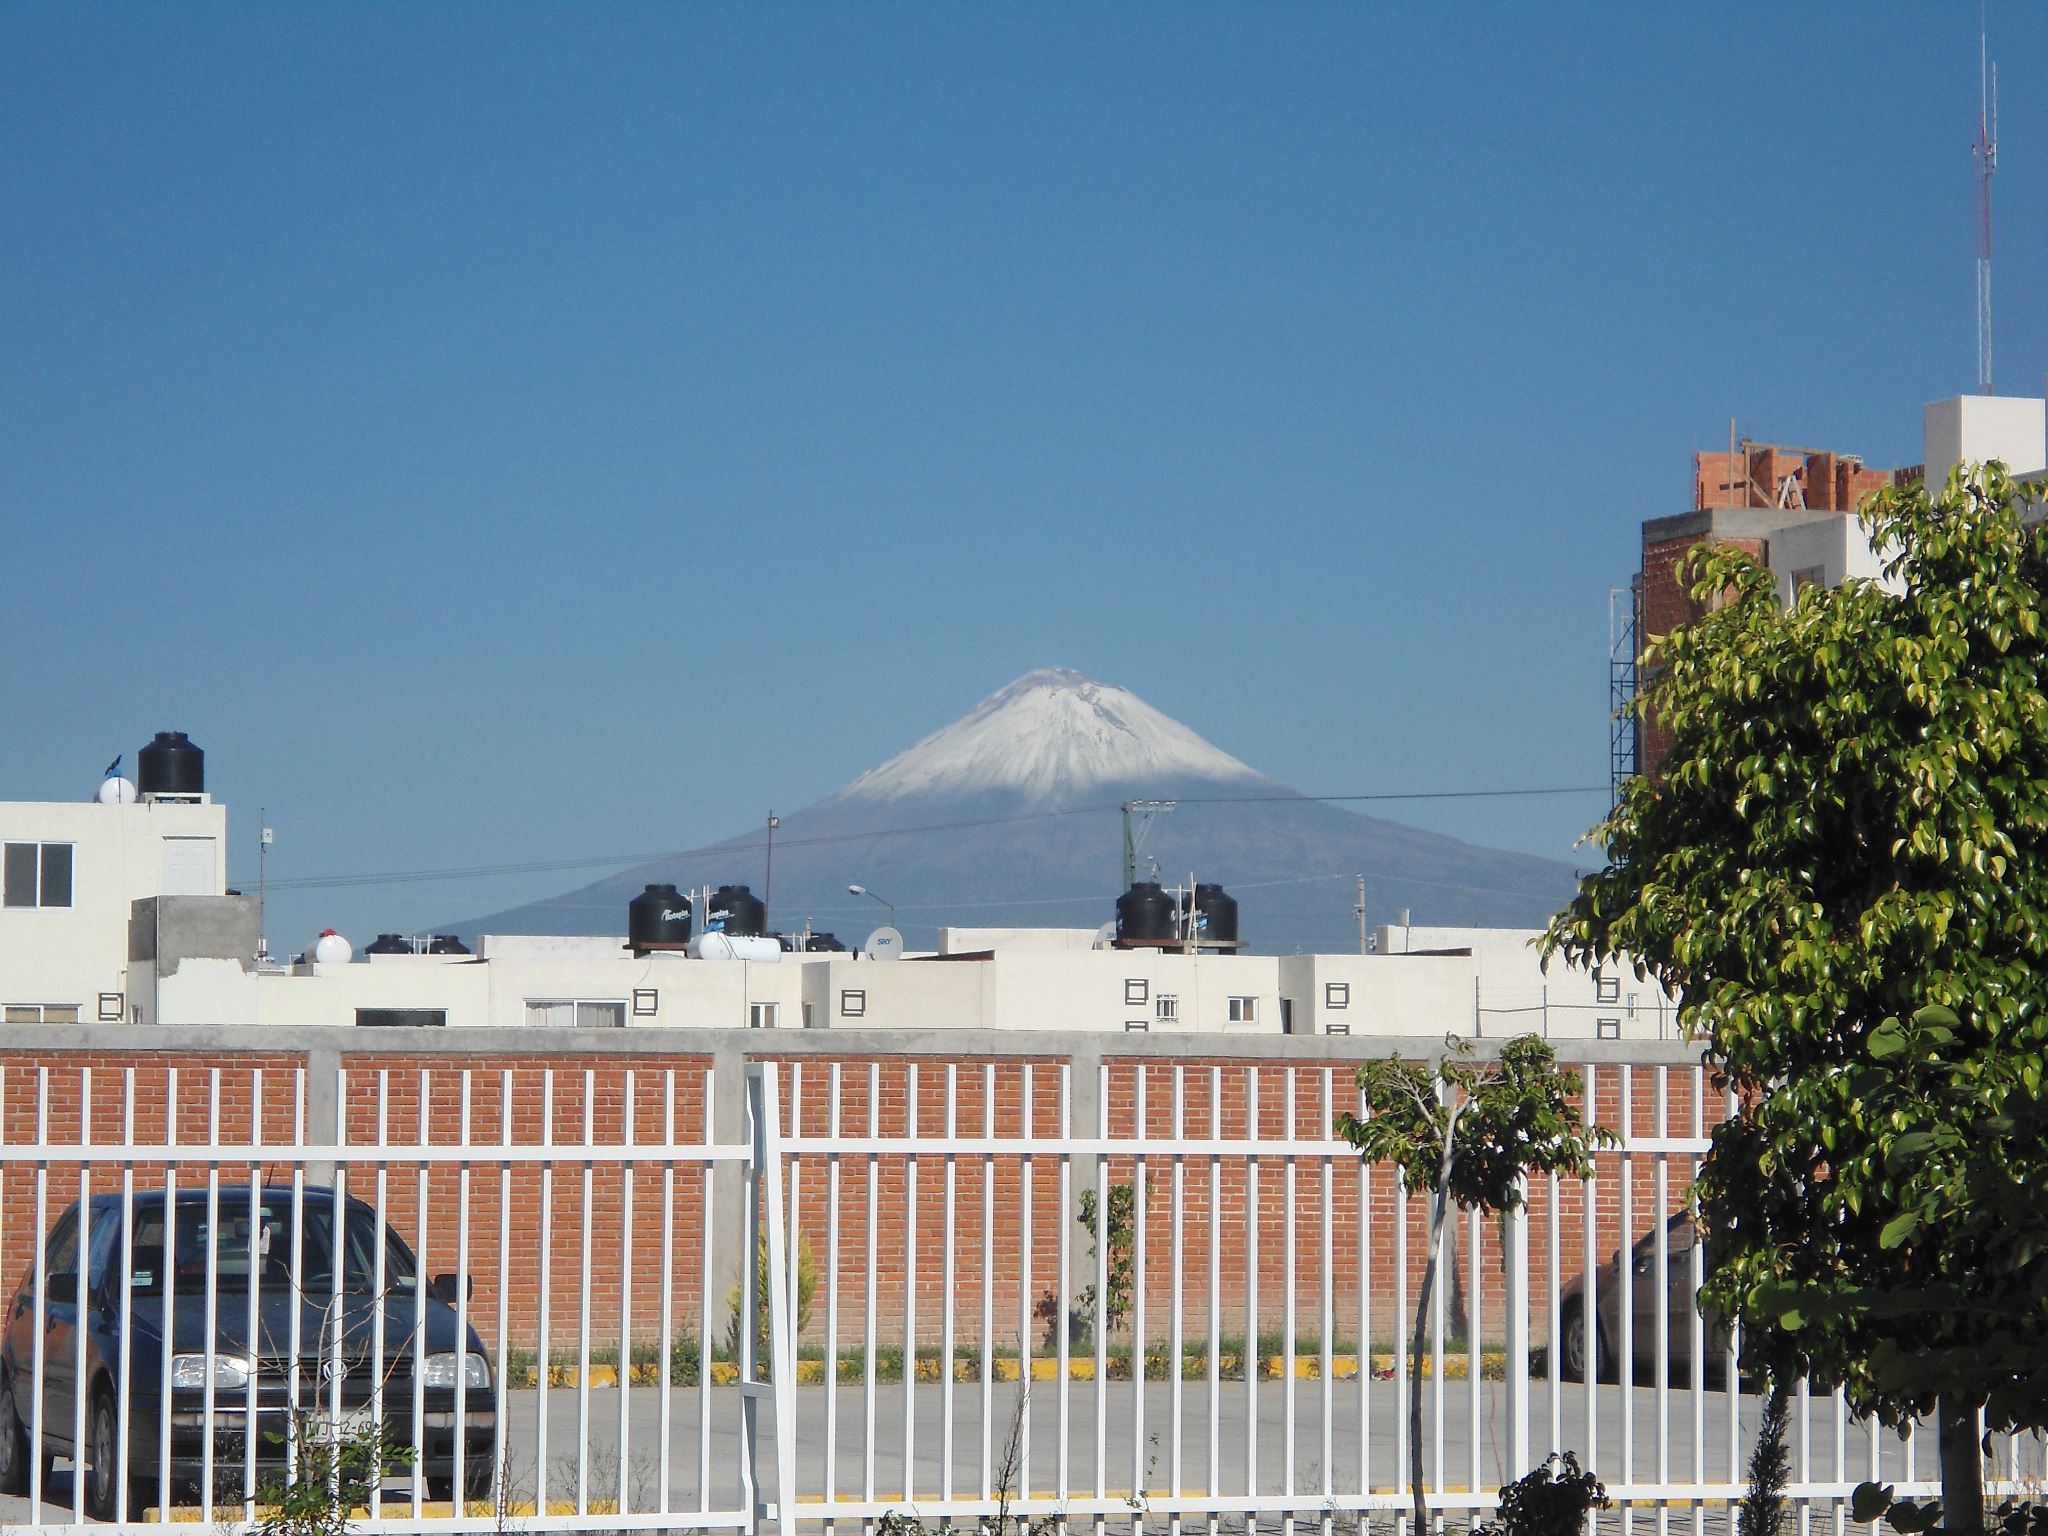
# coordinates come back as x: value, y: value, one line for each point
x: 388, y: 944
x: 447, y: 944
x: 1215, y: 916
x: 825, y: 944
x: 1145, y: 915
x: 170, y: 765
x: 658, y: 918
x: 735, y: 910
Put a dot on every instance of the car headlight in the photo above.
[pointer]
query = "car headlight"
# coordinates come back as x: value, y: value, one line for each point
x: 189, y: 1371
x: 440, y: 1371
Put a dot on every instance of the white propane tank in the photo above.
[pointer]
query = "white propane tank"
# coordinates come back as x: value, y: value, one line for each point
x: 115, y: 790
x: 736, y: 946
x: 332, y: 949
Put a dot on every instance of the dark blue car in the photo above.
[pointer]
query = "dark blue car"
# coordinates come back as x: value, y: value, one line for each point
x: 224, y: 1250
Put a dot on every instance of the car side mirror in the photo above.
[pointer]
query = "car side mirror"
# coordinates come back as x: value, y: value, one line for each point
x: 452, y: 1288
x: 61, y: 1289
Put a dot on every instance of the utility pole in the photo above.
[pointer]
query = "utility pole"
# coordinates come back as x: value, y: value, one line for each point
x: 1131, y: 840
x: 1986, y: 151
x: 1360, y: 910
x: 768, y: 884
x: 262, y: 877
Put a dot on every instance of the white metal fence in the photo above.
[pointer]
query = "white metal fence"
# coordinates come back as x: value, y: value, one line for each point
x: 928, y: 1327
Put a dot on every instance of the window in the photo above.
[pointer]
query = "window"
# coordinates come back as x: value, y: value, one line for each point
x: 38, y: 875
x: 1135, y: 991
x: 1137, y: 1026
x: 1809, y: 576
x: 1607, y: 1029
x: 110, y: 1007
x: 1166, y: 1008
x: 762, y: 1015
x: 401, y: 1018
x: 1607, y: 989
x: 1336, y: 994
x: 646, y: 1002
x: 576, y: 1012
x: 1244, y: 1010
x: 852, y: 1004
x: 42, y: 1013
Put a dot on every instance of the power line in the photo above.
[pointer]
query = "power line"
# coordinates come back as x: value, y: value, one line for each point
x: 598, y: 861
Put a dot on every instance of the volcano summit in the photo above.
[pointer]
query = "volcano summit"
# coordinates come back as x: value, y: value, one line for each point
x: 1010, y: 816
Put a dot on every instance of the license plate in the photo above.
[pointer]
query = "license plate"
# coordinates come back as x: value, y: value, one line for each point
x: 356, y: 1423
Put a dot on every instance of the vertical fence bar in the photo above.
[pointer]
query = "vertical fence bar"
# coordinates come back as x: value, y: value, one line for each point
x: 781, y: 1313
x: 1099, y: 1323
x: 1140, y: 1214
x: 1177, y: 1292
x: 706, y: 1268
x: 833, y: 1130
x: 124, y: 1373
x: 1326, y: 1323
x: 910, y: 1268
x: 1214, y: 1307
x: 1625, y: 1281
x: 250, y: 1319
x: 1661, y: 1296
x: 460, y: 1473
x: 501, y: 1443
x: 583, y: 1298
x: 295, y: 1342
x: 378, y: 1280
x: 79, y: 1314
x: 542, y: 1370
x: 664, y: 1403
x: 948, y: 1226
x: 418, y: 1341
x: 988, y: 1282
x: 1515, y: 1299
x: 1589, y: 1302
x: 40, y: 1291
x: 1365, y: 1355
x: 1026, y: 1175
x: 625, y: 1368
x: 209, y: 1420
x: 867, y: 1477
x: 1252, y: 1362
x: 1475, y: 1329
x: 1062, y: 1299
x: 1289, y: 1285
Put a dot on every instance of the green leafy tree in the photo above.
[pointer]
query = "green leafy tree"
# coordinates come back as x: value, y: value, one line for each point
x: 1467, y: 1132
x: 1843, y: 865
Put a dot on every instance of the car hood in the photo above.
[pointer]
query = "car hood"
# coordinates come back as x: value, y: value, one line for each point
x: 316, y: 1319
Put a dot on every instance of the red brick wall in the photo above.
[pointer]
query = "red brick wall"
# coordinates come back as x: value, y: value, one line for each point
x: 218, y: 1097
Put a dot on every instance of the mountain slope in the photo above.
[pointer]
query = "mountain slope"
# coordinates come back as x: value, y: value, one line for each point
x: 1009, y: 816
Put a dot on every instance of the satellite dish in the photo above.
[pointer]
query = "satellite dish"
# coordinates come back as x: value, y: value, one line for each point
x: 1105, y: 935
x: 884, y: 943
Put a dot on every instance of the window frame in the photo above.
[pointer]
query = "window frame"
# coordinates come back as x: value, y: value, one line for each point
x: 1242, y: 1009
x: 39, y: 875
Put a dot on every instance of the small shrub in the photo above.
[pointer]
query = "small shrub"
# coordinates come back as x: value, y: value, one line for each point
x: 1553, y: 1500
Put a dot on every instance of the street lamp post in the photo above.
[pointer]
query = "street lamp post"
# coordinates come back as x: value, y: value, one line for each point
x: 768, y: 885
x: 861, y: 890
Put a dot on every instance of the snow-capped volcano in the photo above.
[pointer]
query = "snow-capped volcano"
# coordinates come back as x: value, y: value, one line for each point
x: 1048, y: 739
x: 1010, y: 815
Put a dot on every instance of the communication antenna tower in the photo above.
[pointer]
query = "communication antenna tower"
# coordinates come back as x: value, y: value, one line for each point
x: 1986, y: 151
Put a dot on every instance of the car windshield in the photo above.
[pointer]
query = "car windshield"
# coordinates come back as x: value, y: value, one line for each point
x: 234, y: 1244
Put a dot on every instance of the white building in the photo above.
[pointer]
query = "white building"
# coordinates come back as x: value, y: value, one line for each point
x: 121, y: 911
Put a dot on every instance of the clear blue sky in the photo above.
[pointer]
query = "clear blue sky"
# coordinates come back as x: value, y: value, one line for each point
x: 503, y: 433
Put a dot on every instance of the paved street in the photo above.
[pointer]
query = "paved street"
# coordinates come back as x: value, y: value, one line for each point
x: 1131, y: 1455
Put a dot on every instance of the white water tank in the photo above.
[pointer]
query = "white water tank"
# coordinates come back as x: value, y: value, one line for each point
x: 737, y: 946
x: 332, y: 949
x: 115, y: 790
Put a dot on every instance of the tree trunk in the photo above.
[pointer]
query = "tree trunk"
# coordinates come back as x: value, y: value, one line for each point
x: 1438, y: 1209
x: 1436, y: 1228
x: 1962, y: 1467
